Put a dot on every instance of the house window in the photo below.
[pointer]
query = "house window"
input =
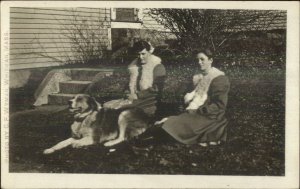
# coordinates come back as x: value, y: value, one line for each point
x: 126, y: 15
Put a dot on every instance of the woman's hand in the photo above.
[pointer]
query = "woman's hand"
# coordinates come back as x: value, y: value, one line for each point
x: 132, y: 96
x: 188, y: 97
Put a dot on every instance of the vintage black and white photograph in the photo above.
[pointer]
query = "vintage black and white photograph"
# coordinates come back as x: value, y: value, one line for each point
x: 130, y: 89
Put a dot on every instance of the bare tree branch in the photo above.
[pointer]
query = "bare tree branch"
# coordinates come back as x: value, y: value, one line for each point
x: 196, y: 28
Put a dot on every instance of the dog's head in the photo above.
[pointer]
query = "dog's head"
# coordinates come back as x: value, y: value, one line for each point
x: 83, y: 103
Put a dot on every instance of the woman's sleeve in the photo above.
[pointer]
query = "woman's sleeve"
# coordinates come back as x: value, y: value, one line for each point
x: 218, y: 97
x: 159, y: 77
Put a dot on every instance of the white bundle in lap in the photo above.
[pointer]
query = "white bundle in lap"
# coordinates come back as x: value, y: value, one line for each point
x: 195, y: 100
x: 197, y: 97
x: 189, y: 96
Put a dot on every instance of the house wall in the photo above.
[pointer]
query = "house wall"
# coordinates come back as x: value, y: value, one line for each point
x: 154, y: 31
x: 40, y: 37
x: 150, y: 23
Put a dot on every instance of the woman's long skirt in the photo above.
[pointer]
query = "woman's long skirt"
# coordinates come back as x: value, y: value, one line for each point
x: 191, y: 128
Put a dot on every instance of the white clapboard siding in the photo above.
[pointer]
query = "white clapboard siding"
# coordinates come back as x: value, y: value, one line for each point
x: 40, y: 36
x: 154, y: 31
x: 44, y: 31
x: 55, y: 20
x: 59, y: 18
x: 100, y: 34
x: 37, y: 60
x: 22, y: 51
x: 90, y: 26
x: 35, y: 65
x: 38, y: 47
x: 150, y: 23
x: 34, y: 55
x: 46, y: 40
x: 63, y: 14
x: 59, y: 11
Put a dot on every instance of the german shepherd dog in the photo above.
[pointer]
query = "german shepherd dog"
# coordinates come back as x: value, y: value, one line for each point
x: 94, y: 124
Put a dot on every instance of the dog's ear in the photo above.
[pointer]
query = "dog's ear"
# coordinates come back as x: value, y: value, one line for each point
x: 98, y: 105
x: 94, y: 104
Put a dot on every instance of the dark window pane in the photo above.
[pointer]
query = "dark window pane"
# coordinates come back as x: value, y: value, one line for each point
x: 125, y: 15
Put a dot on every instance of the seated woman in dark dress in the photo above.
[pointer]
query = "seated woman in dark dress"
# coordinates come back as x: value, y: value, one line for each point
x: 147, y: 76
x: 203, y: 121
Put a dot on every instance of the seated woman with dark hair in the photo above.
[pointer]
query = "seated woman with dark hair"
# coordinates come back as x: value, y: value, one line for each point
x: 147, y: 76
x: 203, y: 121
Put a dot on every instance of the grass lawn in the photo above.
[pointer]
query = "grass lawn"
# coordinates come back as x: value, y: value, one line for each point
x: 255, y: 146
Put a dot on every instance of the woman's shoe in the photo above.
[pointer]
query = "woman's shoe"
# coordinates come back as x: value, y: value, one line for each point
x: 214, y: 143
x: 203, y: 144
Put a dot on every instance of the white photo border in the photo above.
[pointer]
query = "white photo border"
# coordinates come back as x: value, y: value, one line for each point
x: 43, y: 180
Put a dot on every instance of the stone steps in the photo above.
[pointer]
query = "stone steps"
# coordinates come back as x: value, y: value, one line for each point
x: 81, y: 79
x: 88, y: 74
x: 73, y: 86
x: 59, y: 98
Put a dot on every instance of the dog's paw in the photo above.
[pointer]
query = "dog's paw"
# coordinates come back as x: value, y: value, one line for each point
x: 48, y: 151
x: 157, y: 122
x: 109, y: 143
x: 112, y: 142
x: 76, y: 145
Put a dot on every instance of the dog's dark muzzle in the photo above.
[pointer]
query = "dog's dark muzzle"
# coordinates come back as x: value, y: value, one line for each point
x: 71, y: 109
x: 70, y: 103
